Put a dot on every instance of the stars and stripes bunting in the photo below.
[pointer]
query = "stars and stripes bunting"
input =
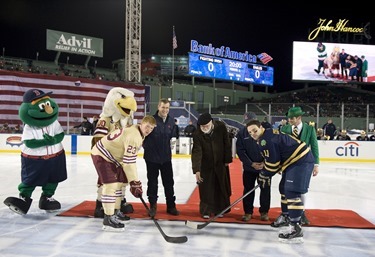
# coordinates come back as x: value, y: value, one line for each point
x: 75, y: 100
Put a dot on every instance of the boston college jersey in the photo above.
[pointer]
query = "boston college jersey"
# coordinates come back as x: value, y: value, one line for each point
x: 105, y: 125
x: 121, y: 147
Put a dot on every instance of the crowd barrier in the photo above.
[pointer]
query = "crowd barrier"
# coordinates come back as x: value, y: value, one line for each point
x: 78, y: 144
x: 344, y: 151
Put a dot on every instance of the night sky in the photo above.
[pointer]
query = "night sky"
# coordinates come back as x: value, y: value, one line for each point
x: 253, y: 26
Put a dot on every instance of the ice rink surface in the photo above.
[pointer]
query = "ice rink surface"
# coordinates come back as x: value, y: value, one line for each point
x: 348, y: 186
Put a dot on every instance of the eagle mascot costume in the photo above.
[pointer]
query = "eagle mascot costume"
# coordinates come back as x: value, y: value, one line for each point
x: 118, y: 111
x: 43, y: 161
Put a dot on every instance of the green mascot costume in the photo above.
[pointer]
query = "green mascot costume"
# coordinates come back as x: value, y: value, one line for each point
x: 43, y: 161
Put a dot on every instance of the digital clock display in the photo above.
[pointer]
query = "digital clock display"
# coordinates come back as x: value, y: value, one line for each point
x: 208, y: 66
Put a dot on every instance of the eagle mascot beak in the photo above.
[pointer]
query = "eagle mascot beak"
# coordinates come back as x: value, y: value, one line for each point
x: 120, y: 105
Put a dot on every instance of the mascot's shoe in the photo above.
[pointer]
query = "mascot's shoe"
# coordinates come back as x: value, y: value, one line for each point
x: 126, y: 207
x: 99, y: 211
x: 19, y: 205
x: 48, y: 203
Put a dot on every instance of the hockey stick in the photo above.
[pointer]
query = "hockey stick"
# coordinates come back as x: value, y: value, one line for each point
x: 194, y: 225
x: 169, y: 239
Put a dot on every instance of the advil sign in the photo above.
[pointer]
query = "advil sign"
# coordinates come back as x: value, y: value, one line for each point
x: 85, y: 42
x: 75, y: 44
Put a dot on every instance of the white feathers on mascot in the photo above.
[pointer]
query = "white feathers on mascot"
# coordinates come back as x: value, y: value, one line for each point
x: 118, y: 112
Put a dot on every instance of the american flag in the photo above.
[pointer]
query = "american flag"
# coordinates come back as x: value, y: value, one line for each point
x: 174, y: 39
x: 264, y: 58
x: 76, y: 98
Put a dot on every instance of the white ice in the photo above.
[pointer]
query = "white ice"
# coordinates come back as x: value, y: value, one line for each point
x: 347, y: 186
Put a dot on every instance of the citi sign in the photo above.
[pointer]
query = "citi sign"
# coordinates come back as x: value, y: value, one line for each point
x: 349, y: 149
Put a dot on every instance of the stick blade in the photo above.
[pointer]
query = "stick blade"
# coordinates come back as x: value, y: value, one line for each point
x: 200, y: 226
x: 169, y: 239
x: 176, y: 240
x: 195, y: 225
x: 191, y: 224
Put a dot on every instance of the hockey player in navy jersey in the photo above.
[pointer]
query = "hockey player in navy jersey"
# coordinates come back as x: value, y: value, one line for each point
x: 290, y: 156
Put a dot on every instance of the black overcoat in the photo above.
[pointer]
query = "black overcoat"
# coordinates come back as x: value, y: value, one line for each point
x: 210, y: 152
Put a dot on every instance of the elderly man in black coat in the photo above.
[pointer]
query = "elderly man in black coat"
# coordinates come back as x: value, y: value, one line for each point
x: 211, y: 155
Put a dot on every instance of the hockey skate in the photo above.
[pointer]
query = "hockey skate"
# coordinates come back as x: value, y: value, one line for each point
x: 294, y: 236
x: 19, y: 205
x: 48, y: 203
x: 281, y: 221
x: 121, y: 216
x: 111, y: 223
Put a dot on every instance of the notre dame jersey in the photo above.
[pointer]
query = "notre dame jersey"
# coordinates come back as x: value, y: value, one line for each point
x: 281, y: 150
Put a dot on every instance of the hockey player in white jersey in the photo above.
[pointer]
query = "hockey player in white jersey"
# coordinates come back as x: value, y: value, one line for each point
x: 114, y: 157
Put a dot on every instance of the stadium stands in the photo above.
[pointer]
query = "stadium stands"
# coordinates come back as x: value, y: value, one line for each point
x: 330, y: 100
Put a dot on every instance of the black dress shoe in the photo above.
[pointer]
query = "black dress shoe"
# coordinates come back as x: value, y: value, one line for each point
x: 153, y: 209
x: 173, y: 211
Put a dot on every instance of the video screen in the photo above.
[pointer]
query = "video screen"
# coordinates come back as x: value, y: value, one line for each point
x: 333, y: 62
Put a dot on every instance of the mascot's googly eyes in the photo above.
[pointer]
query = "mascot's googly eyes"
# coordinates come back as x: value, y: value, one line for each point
x: 42, y: 106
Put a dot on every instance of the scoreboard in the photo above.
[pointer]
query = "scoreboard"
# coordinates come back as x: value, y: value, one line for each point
x: 208, y: 66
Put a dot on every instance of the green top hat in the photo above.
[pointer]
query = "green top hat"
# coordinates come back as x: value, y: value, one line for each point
x: 295, y: 112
